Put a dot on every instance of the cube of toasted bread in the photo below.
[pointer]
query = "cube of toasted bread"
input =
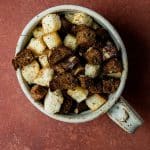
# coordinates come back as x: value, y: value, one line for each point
x: 53, y: 101
x: 29, y: 72
x: 43, y: 59
x: 52, y: 40
x: 44, y: 76
x: 78, y: 93
x: 70, y: 41
x: 38, y: 32
x: 37, y: 46
x: 51, y: 23
x: 95, y: 101
x: 95, y: 25
x: 38, y: 92
x: 79, y: 18
x: 92, y: 71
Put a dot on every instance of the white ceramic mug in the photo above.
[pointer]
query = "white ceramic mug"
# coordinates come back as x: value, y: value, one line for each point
x: 116, y: 107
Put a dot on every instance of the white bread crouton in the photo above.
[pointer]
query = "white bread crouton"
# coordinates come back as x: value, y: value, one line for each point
x: 79, y: 94
x: 70, y: 41
x: 38, y: 32
x: 44, y: 60
x: 95, y: 101
x: 52, y: 40
x: 79, y: 18
x: 37, y: 46
x: 53, y: 101
x: 92, y: 70
x: 44, y: 76
x: 30, y: 71
x: 51, y: 23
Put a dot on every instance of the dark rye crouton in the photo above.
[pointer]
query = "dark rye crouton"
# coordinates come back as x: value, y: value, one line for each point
x: 38, y: 92
x: 102, y: 34
x: 90, y: 84
x: 63, y: 82
x: 112, y: 66
x: 66, y: 65
x: 68, y: 105
x: 81, y: 107
x: 78, y: 70
x: 86, y: 37
x: 65, y: 27
x: 78, y: 28
x: 110, y: 85
x: 59, y: 54
x: 109, y: 51
x: 23, y: 58
x: 93, y: 56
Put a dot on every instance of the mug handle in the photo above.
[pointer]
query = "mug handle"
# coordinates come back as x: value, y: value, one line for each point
x: 125, y: 116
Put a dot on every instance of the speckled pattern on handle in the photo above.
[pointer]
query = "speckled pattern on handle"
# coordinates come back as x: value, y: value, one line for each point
x: 125, y: 116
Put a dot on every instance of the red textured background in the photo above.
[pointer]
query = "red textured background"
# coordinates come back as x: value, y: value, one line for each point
x: 23, y: 127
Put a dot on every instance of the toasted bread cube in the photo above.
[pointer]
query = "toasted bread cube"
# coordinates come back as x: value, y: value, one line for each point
x: 79, y: 18
x: 92, y: 71
x: 38, y: 32
x: 38, y: 92
x: 95, y: 25
x: 29, y: 72
x: 51, y: 23
x: 37, y: 46
x: 95, y: 101
x: 52, y: 40
x: 44, y: 76
x: 43, y: 59
x: 70, y: 41
x: 78, y: 93
x: 53, y: 101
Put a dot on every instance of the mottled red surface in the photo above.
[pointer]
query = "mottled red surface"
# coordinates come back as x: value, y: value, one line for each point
x: 23, y: 127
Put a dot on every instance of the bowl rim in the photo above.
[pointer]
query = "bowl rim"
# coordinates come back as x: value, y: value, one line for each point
x: 86, y: 116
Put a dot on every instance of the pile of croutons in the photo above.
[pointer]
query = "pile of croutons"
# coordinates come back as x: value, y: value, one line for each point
x: 70, y: 64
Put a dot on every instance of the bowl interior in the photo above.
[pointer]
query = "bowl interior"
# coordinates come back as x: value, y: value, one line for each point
x: 88, y: 115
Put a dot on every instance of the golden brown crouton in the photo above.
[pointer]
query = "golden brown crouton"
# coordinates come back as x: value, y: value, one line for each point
x: 110, y: 85
x: 112, y: 66
x: 93, y: 56
x: 23, y: 58
x: 86, y: 37
x: 59, y: 54
x: 38, y: 92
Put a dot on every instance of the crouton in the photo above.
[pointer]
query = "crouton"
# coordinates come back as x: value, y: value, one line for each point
x: 51, y: 23
x: 92, y: 71
x: 93, y: 56
x: 109, y: 51
x: 102, y: 34
x: 78, y: 70
x: 68, y: 105
x: 64, y: 81
x: 37, y: 46
x: 95, y: 25
x: 112, y: 68
x: 59, y: 54
x: 81, y: 107
x: 95, y: 101
x: 69, y: 16
x: 38, y: 92
x: 70, y: 41
x: 66, y: 65
x: 110, y: 85
x: 79, y: 18
x: 65, y: 27
x: 30, y: 71
x: 53, y: 101
x: 78, y: 93
x: 43, y: 59
x: 86, y: 37
x: 92, y: 86
x: 44, y: 76
x: 38, y: 32
x: 52, y: 40
x: 23, y: 58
